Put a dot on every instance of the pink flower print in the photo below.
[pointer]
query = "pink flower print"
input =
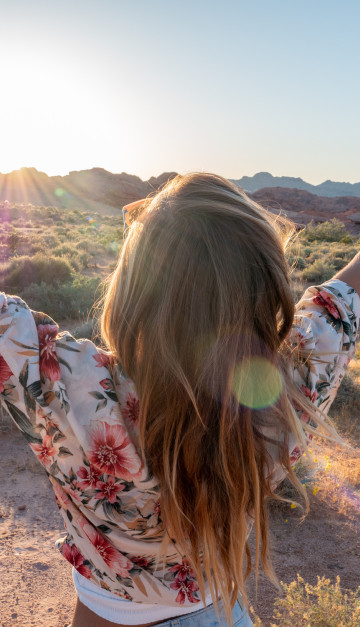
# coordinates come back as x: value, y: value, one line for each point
x: 312, y: 395
x: 49, y: 364
x: 5, y: 373
x: 305, y: 417
x: 112, y: 452
x: 108, y: 490
x: 186, y: 589
x: 103, y: 360
x: 295, y: 455
x: 131, y: 410
x: 107, y: 384
x: 89, y: 477
x: 45, y: 451
x: 111, y: 556
x: 183, y: 571
x: 73, y: 555
x: 142, y: 562
x: 324, y: 300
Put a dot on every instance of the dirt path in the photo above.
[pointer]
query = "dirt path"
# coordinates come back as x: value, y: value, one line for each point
x: 36, y: 583
x: 326, y: 543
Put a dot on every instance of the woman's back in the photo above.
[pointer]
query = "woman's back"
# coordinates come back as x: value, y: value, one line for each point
x: 159, y: 476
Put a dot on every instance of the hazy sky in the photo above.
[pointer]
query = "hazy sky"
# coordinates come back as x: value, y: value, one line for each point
x: 143, y: 86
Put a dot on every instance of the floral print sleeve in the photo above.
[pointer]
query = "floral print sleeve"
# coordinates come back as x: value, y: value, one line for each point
x: 325, y: 328
x: 78, y: 412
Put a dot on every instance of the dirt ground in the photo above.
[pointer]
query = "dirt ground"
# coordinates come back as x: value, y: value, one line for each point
x: 36, y: 583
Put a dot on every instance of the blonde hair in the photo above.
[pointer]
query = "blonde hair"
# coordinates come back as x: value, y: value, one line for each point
x: 201, y: 293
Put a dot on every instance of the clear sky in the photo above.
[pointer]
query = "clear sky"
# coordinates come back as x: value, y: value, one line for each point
x: 146, y: 86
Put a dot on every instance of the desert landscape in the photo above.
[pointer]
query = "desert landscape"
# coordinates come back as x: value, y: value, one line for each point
x: 59, y: 240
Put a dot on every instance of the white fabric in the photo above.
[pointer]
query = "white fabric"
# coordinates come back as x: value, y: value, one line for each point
x: 117, y: 610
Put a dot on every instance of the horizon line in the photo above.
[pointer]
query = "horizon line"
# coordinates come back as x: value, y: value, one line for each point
x: 171, y: 172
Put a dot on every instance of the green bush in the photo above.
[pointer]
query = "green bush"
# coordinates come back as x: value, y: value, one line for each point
x: 23, y: 271
x: 295, y: 261
x: 84, y: 259
x: 14, y: 240
x: 338, y: 262
x: 329, y: 231
x: 319, y: 271
x: 73, y: 299
x: 347, y: 239
x: 64, y: 250
x: 322, y: 605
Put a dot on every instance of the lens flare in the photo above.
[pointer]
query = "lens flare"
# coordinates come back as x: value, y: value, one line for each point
x: 59, y: 192
x: 92, y: 221
x: 257, y: 383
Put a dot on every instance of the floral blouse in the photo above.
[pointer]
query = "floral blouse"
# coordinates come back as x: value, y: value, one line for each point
x: 79, y: 412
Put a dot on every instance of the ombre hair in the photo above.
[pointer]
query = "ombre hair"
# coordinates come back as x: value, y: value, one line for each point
x: 198, y: 312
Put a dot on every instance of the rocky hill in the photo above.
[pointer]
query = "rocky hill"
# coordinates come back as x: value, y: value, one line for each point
x: 90, y: 190
x: 106, y: 193
x: 302, y: 207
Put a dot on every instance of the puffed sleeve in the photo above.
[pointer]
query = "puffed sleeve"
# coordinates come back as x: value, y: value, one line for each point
x: 57, y: 390
x: 324, y: 332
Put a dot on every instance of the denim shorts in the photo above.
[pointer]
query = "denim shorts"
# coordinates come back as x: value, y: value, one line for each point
x: 207, y: 618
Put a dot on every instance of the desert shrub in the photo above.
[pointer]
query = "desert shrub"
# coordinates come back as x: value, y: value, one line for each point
x: 3, y: 252
x: 347, y: 239
x: 110, y: 236
x: 84, y: 259
x: 74, y: 261
x: 37, y: 244
x: 338, y: 262
x: 61, y: 231
x: 84, y: 244
x: 321, y: 605
x: 345, y: 410
x: 346, y: 252
x: 73, y: 299
x: 22, y: 271
x: 13, y: 240
x: 319, y: 271
x: 329, y: 231
x: 64, y: 250
x: 295, y: 261
x: 306, y: 251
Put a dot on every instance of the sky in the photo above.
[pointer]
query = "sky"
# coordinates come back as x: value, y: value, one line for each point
x: 146, y: 86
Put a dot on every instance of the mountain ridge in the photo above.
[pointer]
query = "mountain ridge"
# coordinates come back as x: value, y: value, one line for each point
x: 98, y: 190
x: 250, y: 184
x: 327, y: 188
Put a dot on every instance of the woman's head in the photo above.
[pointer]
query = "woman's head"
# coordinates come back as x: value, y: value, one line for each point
x: 204, y: 264
x: 197, y: 312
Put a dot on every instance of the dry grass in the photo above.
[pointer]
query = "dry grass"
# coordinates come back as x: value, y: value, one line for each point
x: 324, y: 604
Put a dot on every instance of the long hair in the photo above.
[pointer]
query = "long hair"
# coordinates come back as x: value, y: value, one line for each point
x: 197, y: 312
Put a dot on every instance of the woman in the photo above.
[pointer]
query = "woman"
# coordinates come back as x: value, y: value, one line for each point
x: 163, y: 450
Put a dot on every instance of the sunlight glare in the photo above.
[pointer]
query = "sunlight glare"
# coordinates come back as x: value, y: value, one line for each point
x: 257, y: 383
